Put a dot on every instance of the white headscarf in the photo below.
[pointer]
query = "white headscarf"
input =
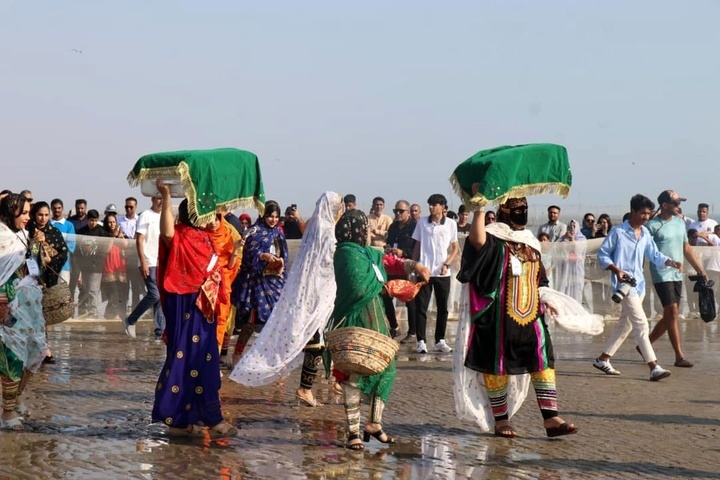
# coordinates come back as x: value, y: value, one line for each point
x: 305, y: 305
x: 26, y: 339
x: 12, y: 251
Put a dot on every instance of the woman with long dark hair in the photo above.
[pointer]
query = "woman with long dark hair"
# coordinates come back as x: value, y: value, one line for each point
x: 259, y: 284
x: 22, y: 326
x: 114, y: 286
x: 49, y: 247
x: 48, y: 243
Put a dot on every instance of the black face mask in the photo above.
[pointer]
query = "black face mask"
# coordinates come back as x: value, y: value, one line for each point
x: 519, y: 216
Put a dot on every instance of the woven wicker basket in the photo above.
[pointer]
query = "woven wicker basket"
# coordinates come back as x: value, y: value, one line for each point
x: 57, y: 304
x: 360, y: 350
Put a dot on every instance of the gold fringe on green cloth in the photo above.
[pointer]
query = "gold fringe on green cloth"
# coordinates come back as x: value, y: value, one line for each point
x: 182, y: 170
x: 480, y: 201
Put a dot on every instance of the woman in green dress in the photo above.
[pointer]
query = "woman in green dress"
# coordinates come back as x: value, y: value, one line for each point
x: 360, y: 277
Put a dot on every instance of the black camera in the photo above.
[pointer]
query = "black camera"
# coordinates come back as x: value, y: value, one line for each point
x: 623, y: 290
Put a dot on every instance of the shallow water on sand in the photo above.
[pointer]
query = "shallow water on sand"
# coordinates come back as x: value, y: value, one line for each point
x: 91, y: 412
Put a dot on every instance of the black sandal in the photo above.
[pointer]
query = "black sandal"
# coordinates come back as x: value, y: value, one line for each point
x: 377, y: 435
x: 352, y: 444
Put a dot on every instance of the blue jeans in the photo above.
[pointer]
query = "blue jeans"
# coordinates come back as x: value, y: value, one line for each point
x: 152, y: 299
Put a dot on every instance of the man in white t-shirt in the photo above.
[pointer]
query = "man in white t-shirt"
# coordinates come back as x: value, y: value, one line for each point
x: 703, y: 224
x: 128, y: 225
x: 147, y: 241
x: 435, y: 236
x: 711, y: 255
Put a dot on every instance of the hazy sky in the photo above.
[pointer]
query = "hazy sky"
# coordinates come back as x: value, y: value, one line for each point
x: 377, y: 98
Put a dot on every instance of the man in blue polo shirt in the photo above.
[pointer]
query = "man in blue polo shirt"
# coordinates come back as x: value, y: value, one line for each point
x: 668, y: 231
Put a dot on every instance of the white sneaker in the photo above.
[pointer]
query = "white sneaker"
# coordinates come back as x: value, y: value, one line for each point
x: 604, y: 365
x: 421, y: 348
x: 658, y: 373
x: 441, y: 346
x: 129, y: 329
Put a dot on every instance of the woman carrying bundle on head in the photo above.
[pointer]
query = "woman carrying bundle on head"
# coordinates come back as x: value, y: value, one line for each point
x: 187, y: 397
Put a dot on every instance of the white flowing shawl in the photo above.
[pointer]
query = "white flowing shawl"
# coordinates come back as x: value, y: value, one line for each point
x: 304, y: 307
x: 26, y: 339
x: 471, y: 399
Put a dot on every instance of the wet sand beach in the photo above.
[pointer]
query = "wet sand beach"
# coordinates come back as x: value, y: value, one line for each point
x: 91, y: 419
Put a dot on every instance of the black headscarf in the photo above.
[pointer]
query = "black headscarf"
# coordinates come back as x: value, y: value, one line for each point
x: 352, y: 227
x: 54, y: 246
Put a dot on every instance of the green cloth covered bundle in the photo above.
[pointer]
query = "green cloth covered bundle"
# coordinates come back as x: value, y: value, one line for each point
x: 223, y: 177
x: 513, y: 172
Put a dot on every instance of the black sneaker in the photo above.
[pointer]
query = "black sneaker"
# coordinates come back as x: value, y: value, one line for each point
x: 409, y: 338
x: 394, y: 333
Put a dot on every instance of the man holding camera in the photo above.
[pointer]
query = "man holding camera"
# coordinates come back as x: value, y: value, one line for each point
x: 294, y: 224
x: 668, y: 231
x: 622, y: 253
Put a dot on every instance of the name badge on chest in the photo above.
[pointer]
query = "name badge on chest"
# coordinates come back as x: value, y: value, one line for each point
x: 515, y: 266
x: 32, y: 267
x: 378, y: 273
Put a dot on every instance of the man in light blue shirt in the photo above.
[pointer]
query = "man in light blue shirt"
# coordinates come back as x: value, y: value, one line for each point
x: 68, y: 230
x: 668, y: 231
x: 622, y: 253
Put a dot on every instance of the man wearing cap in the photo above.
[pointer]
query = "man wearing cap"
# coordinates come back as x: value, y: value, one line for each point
x: 147, y: 241
x: 668, y: 231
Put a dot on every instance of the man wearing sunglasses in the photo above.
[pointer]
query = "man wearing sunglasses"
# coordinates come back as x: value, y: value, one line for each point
x: 147, y: 240
x: 668, y: 231
x: 128, y: 226
x: 401, y: 244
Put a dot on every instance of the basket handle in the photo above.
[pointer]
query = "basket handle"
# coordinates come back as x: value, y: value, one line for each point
x: 56, y: 274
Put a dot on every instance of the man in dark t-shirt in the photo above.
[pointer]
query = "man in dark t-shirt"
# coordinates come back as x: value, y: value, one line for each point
x: 400, y: 243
